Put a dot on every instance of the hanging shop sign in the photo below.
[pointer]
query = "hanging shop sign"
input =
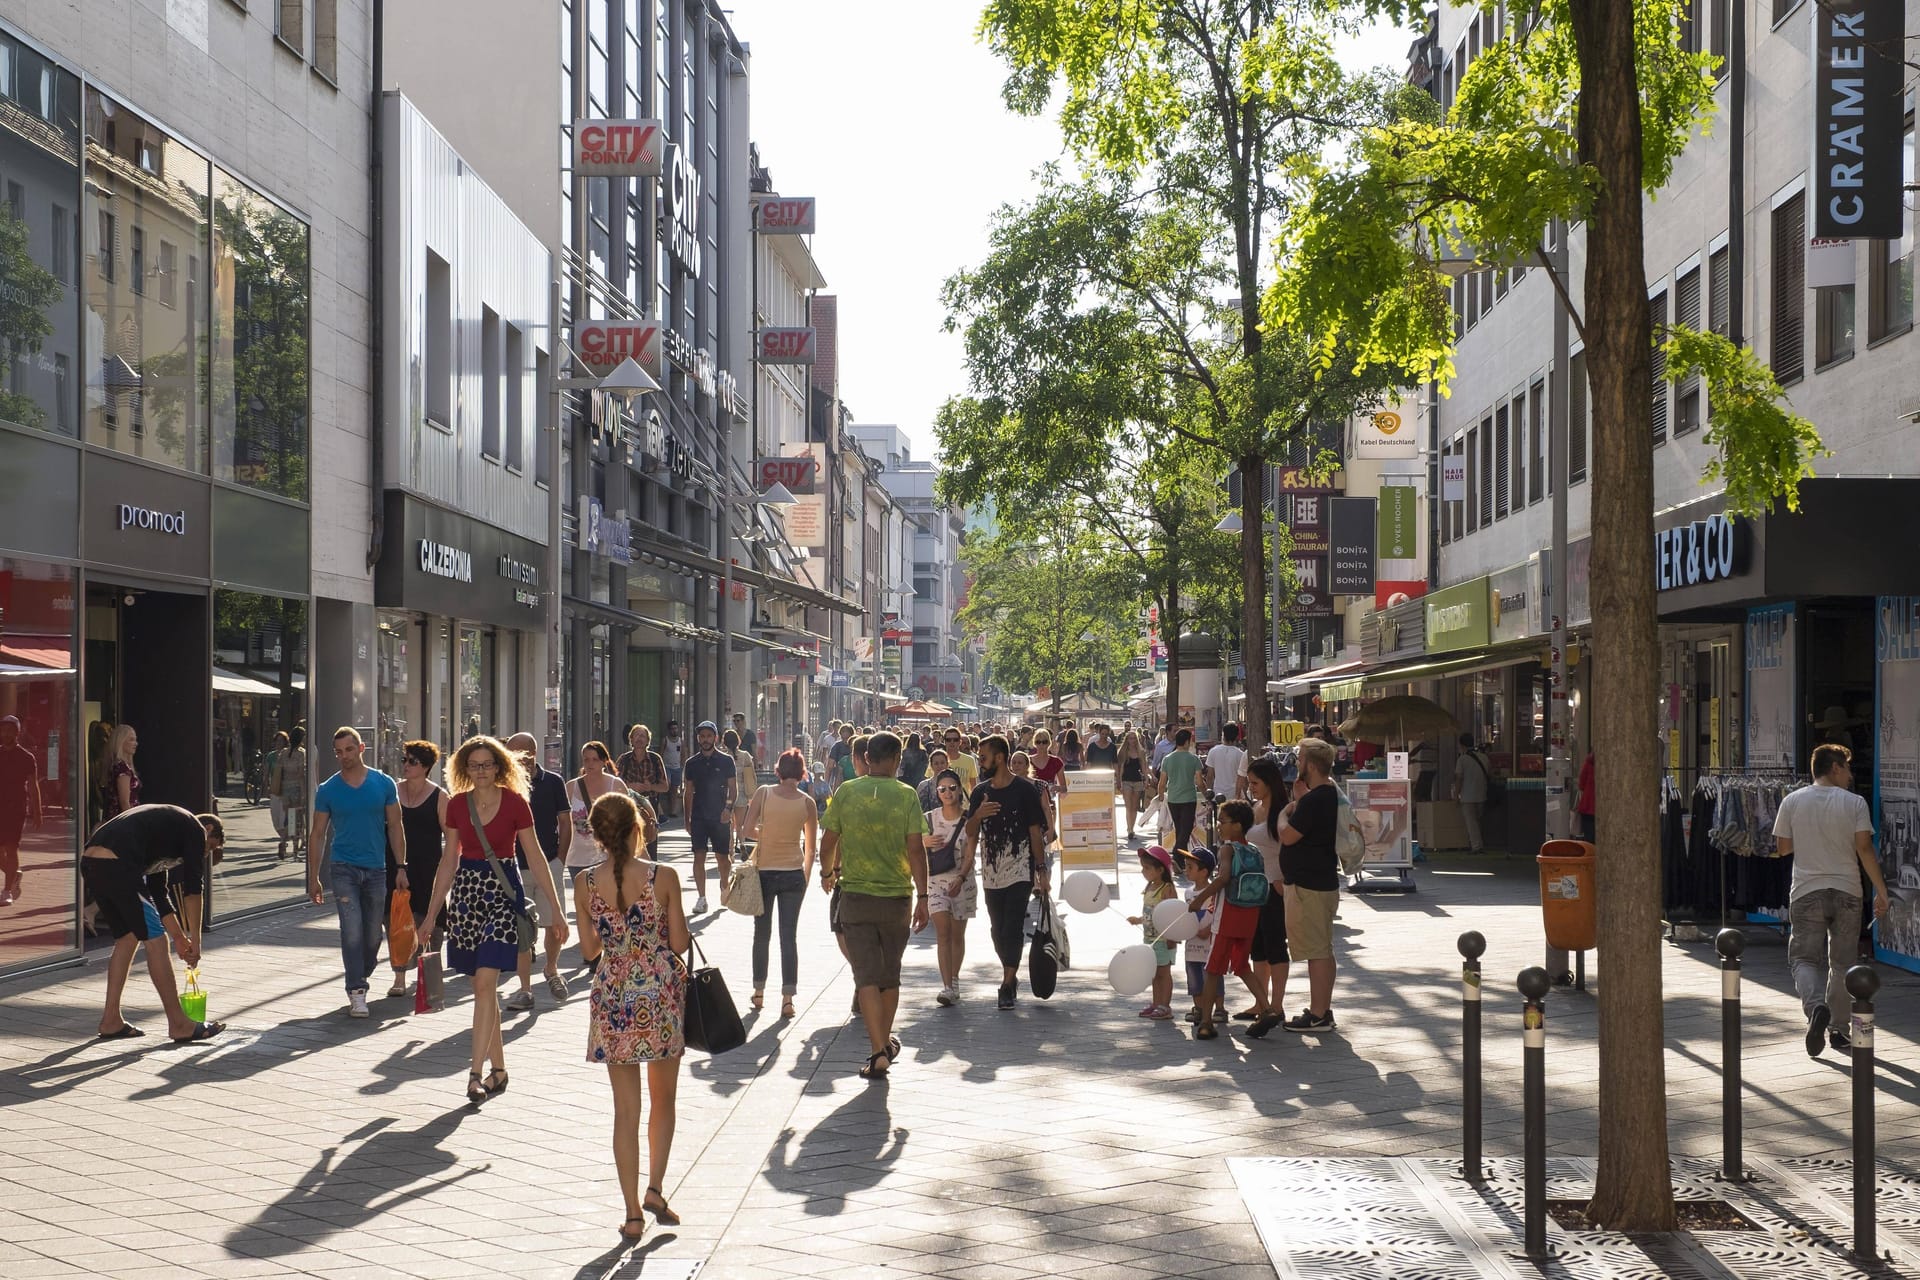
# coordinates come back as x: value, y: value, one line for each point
x: 783, y: 215
x: 1513, y: 603
x: 1352, y: 522
x: 603, y: 534
x: 602, y: 344
x: 617, y: 148
x: 797, y: 473
x: 1858, y: 119
x: 788, y: 344
x: 1306, y: 516
x: 1829, y: 264
x: 1388, y: 592
x: 1385, y: 436
x: 1708, y: 550
x: 1311, y: 598
x: 1307, y: 480
x: 1453, y: 478
x: 1399, y: 531
x: 1457, y: 617
x: 681, y: 184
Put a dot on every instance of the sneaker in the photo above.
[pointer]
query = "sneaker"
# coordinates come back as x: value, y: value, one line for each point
x: 357, y: 1004
x: 1159, y: 1013
x: 1263, y: 1024
x: 1006, y: 995
x: 1817, y: 1022
x: 945, y: 998
x: 1563, y: 979
x: 1840, y: 1041
x: 1305, y: 1022
x: 700, y: 905
x: 520, y: 1002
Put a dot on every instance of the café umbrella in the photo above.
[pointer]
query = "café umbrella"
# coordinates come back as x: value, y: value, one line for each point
x: 1403, y: 719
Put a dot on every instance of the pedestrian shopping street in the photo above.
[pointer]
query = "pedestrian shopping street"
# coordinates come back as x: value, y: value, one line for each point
x: 1068, y: 1137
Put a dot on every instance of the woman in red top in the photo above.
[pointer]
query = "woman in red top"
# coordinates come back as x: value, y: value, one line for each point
x: 1583, y: 803
x: 488, y: 812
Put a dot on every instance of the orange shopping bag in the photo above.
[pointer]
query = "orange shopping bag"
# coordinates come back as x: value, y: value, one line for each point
x: 401, y: 939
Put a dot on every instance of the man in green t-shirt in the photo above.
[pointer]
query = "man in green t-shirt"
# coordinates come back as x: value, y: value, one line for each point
x: 871, y: 845
x: 1177, y: 774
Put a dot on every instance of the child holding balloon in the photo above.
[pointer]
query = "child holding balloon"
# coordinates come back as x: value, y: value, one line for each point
x: 1156, y: 865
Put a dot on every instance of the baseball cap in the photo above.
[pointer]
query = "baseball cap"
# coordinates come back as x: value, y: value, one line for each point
x: 1159, y: 855
x: 12, y: 720
x: 706, y: 724
x: 1199, y: 855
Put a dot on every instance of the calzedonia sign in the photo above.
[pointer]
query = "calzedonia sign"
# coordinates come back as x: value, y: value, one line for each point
x: 1709, y: 550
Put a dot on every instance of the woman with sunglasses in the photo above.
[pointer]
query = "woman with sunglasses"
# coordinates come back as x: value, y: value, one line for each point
x: 784, y: 823
x: 597, y: 778
x: 485, y: 817
x: 952, y: 890
x: 420, y: 798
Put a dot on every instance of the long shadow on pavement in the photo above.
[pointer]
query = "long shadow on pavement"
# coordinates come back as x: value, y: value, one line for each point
x: 849, y: 1151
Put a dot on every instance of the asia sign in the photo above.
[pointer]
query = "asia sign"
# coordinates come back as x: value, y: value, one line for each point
x: 796, y: 473
x: 1858, y: 119
x: 1387, y: 435
x: 617, y: 148
x: 783, y: 215
x: 795, y: 344
x: 602, y: 344
x: 1351, y: 560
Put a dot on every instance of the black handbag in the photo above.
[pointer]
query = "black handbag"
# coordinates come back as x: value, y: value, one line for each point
x: 711, y: 1022
x: 943, y: 860
x: 1043, y: 957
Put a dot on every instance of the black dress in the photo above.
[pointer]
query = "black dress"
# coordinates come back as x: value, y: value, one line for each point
x: 425, y: 843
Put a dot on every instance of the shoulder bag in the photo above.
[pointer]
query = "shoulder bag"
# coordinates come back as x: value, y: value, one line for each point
x: 711, y: 1022
x: 523, y: 921
x: 1043, y: 957
x: 741, y: 892
x: 943, y: 860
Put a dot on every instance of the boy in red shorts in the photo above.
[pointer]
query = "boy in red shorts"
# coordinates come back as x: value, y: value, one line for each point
x: 1234, y: 925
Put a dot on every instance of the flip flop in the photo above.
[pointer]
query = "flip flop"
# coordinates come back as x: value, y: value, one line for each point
x: 201, y: 1031
x: 127, y: 1031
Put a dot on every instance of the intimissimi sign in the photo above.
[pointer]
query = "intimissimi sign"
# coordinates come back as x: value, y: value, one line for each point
x: 1858, y: 117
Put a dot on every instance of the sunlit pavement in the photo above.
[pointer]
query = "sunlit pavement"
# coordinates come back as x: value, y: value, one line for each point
x: 1069, y: 1137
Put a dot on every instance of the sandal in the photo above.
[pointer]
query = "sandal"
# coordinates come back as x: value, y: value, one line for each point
x: 786, y: 1007
x: 758, y: 1001
x: 893, y: 1049
x: 127, y: 1031
x: 873, y: 1071
x: 1205, y: 1031
x: 501, y: 1087
x: 634, y: 1235
x: 476, y: 1092
x: 201, y: 1031
x: 656, y: 1204
x: 557, y: 985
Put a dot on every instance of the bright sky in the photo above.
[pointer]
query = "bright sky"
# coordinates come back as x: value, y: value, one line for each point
x: 891, y: 115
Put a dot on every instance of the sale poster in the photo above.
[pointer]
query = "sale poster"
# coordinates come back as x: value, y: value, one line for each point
x: 1897, y: 771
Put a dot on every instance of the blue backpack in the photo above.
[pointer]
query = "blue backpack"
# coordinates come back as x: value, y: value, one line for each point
x: 1247, y: 884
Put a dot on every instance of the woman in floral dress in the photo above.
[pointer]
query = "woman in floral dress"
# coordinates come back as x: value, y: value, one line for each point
x: 633, y: 925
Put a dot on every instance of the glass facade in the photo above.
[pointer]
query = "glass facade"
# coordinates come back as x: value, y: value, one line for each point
x: 39, y: 241
x: 262, y: 305
x: 41, y: 808
x: 259, y: 691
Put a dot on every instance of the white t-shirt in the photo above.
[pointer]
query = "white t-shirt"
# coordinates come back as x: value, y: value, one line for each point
x: 1202, y: 942
x: 1822, y: 821
x: 1227, y: 764
x: 1269, y: 846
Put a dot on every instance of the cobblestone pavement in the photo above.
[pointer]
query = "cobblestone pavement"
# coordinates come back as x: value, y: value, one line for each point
x: 1067, y: 1138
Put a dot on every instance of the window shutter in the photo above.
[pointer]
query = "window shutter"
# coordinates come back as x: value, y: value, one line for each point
x: 1720, y: 304
x: 1577, y: 419
x: 1657, y: 307
x: 1502, y: 462
x: 1790, y: 290
x: 1686, y: 311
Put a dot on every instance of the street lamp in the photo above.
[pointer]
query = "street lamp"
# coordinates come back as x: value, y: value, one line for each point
x: 1229, y: 523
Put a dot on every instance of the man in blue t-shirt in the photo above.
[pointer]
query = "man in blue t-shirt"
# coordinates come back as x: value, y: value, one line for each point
x: 710, y: 786
x: 360, y: 808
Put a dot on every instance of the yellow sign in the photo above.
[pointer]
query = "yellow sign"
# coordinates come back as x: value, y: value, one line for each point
x: 1287, y: 733
x: 1088, y: 836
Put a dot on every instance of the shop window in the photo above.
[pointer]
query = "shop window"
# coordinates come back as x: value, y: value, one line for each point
x: 1890, y: 262
x: 1686, y: 311
x: 490, y: 378
x: 1832, y: 324
x: 1657, y: 366
x: 438, y: 382
x: 260, y: 664
x: 262, y: 310
x: 37, y: 687
x: 1789, y: 289
x: 516, y: 393
x: 149, y: 361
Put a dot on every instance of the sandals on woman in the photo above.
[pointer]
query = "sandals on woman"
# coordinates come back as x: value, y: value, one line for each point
x: 758, y: 1001
x: 874, y: 1071
x: 893, y: 1049
x: 496, y: 1087
x: 626, y: 1231
x: 786, y: 1007
x: 1205, y: 1031
x: 655, y: 1203
x: 476, y: 1092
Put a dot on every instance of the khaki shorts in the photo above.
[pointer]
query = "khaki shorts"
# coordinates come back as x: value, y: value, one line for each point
x: 1310, y: 914
x: 875, y: 931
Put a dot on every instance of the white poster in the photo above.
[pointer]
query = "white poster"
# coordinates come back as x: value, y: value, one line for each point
x: 1387, y: 435
x: 1770, y: 688
x: 1897, y: 771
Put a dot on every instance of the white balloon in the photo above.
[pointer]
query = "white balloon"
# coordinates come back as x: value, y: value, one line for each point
x: 1131, y: 970
x: 1166, y: 913
x: 1085, y: 891
x: 1180, y: 930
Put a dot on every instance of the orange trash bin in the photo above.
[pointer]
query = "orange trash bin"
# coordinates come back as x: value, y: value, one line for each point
x: 1567, y: 901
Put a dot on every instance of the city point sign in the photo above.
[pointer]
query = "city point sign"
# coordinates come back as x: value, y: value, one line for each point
x: 617, y: 148
x: 783, y: 216
x: 603, y: 344
x: 797, y: 473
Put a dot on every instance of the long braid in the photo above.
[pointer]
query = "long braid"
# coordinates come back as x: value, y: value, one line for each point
x: 615, y: 820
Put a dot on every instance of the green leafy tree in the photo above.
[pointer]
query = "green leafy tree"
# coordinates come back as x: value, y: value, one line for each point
x: 31, y: 292
x: 1577, y: 114
x: 1217, y: 104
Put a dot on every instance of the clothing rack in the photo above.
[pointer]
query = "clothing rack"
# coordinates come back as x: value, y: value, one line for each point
x: 1770, y: 784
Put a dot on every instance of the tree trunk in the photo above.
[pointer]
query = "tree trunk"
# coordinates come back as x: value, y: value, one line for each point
x: 1633, y: 1190
x: 1253, y: 607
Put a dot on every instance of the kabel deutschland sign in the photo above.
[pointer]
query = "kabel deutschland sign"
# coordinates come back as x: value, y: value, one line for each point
x: 617, y: 148
x: 1858, y: 118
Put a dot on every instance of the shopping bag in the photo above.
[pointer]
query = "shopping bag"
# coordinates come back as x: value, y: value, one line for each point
x: 1157, y: 816
x: 1043, y: 958
x: 712, y: 1023
x: 402, y: 942
x: 193, y: 1000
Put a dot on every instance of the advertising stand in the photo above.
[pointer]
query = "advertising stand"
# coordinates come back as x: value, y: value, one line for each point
x: 1385, y: 811
x: 1088, y: 836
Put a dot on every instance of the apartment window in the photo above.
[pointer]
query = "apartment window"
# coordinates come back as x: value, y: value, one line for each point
x: 1691, y: 33
x: 326, y: 39
x: 1686, y: 311
x: 105, y: 251
x: 1487, y: 479
x: 63, y: 393
x: 1473, y: 299
x: 1457, y: 292
x: 1720, y: 285
x: 439, y: 371
x: 1537, y: 477
x: 290, y: 25
x: 1519, y: 430
x: 1577, y: 419
x: 1502, y: 463
x: 516, y: 388
x: 17, y: 201
x: 1890, y: 262
x: 1499, y: 285
x: 542, y: 442
x: 1473, y: 479
x: 65, y: 269
x: 1657, y: 367
x: 1789, y: 289
x: 490, y: 383
x: 169, y: 259
x: 138, y: 264
x: 1717, y: 34
x: 1833, y: 314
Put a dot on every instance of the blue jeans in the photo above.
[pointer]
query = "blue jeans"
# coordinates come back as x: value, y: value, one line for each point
x: 780, y: 890
x: 360, y: 895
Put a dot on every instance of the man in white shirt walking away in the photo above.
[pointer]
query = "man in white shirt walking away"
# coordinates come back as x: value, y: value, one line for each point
x: 1226, y: 771
x: 1827, y: 829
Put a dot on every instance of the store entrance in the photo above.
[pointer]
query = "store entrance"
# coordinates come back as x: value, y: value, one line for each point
x: 145, y: 666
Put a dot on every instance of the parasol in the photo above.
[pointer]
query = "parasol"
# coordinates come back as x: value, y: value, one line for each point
x: 1405, y: 718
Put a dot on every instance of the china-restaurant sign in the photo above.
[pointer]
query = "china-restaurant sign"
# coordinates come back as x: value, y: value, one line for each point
x: 602, y: 344
x: 617, y: 148
x: 783, y: 215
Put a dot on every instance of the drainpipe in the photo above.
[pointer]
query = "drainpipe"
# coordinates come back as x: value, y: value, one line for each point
x: 376, y: 285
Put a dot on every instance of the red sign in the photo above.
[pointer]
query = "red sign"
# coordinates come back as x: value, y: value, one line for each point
x: 1391, y: 592
x: 617, y: 148
x: 793, y: 345
x: 783, y: 216
x: 603, y: 344
x: 797, y: 473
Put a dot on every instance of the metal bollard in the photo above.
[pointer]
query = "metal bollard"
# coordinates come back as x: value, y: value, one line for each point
x: 1472, y: 947
x: 1862, y: 984
x: 1534, y: 984
x: 1730, y: 943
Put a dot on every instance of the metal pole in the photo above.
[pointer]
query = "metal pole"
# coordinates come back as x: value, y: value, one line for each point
x: 1534, y: 984
x: 1730, y: 943
x: 1862, y: 984
x: 1560, y: 728
x: 1472, y: 947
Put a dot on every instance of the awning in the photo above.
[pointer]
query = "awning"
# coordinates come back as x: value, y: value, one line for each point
x: 1427, y: 667
x: 225, y: 681
x: 694, y: 562
x: 1305, y: 681
x: 742, y: 638
x: 21, y: 654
